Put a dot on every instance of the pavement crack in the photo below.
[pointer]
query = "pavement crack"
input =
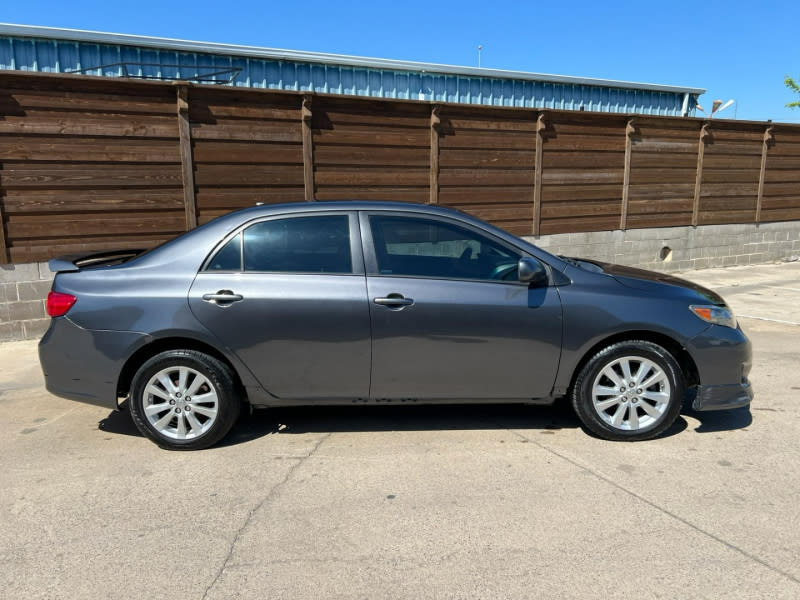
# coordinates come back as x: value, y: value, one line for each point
x: 271, y: 494
x: 661, y: 509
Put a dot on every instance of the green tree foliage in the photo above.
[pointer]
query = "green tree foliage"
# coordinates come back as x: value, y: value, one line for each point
x: 795, y: 87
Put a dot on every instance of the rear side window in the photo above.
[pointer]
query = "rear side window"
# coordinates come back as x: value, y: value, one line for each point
x: 229, y: 258
x: 319, y: 244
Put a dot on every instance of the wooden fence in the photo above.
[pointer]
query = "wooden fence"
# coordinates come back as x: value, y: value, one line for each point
x: 98, y: 163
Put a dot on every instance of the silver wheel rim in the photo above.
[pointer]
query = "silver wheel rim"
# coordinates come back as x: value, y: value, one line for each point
x: 180, y: 403
x: 631, y: 393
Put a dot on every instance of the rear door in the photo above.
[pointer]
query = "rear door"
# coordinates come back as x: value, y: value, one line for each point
x: 450, y: 320
x: 288, y: 295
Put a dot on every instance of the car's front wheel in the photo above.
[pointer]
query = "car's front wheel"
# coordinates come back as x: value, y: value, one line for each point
x: 629, y: 391
x: 184, y: 400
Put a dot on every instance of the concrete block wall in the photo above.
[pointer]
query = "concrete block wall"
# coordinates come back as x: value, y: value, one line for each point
x: 673, y: 249
x: 23, y: 288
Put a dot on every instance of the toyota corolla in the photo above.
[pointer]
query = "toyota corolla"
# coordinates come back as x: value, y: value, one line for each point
x: 368, y: 302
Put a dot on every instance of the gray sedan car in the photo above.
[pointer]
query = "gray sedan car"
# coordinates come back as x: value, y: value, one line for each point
x: 369, y: 302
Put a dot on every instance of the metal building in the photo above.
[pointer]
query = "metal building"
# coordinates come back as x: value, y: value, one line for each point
x: 46, y: 49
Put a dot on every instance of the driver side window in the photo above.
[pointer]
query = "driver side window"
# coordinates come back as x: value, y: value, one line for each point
x: 419, y: 247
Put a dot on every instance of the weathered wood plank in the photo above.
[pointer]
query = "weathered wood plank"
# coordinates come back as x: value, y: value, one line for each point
x: 553, y: 210
x: 85, y: 102
x: 373, y: 136
x: 247, y: 176
x: 419, y: 194
x: 458, y: 195
x: 487, y: 140
x: 32, y: 201
x: 248, y: 130
x: 497, y: 177
x: 568, y: 159
x: 88, y: 176
x: 676, y: 219
x: 570, y: 224
x: 254, y: 153
x: 589, y: 191
x: 661, y: 205
x: 373, y: 176
x: 227, y: 198
x: 727, y: 217
x: 51, y: 148
x: 791, y: 214
x: 55, y: 226
x: 327, y: 155
x: 487, y: 158
x: 70, y: 123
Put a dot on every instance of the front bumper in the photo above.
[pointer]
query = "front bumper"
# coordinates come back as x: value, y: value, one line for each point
x: 721, y: 397
x: 84, y: 364
x: 723, y: 356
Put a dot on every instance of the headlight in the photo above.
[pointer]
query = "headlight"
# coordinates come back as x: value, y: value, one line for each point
x: 719, y: 315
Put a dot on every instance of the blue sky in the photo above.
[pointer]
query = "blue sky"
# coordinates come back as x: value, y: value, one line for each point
x: 734, y: 49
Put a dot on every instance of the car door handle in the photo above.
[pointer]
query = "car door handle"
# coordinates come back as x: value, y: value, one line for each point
x: 394, y: 301
x: 223, y: 297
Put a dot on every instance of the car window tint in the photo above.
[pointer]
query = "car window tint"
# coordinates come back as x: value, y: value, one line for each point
x: 299, y: 245
x: 428, y: 248
x: 229, y: 258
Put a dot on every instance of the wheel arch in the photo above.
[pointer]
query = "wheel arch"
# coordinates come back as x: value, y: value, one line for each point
x: 146, y: 352
x: 676, y: 349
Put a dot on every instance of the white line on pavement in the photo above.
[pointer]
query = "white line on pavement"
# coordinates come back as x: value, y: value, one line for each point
x: 766, y: 319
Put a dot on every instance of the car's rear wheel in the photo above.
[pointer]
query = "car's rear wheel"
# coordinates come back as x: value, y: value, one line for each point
x: 184, y: 400
x: 629, y: 391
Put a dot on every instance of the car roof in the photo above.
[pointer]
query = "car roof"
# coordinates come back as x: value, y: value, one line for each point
x: 324, y: 205
x: 200, y: 240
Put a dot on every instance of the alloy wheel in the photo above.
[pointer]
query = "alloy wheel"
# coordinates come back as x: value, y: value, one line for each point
x: 631, y: 393
x: 180, y: 403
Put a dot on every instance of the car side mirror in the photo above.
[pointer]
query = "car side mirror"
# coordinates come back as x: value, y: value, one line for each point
x: 531, y: 271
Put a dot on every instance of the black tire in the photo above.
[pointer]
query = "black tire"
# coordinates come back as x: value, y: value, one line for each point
x: 629, y: 403
x: 216, y: 377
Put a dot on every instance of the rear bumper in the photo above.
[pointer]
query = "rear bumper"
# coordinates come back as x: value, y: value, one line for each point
x: 721, y: 397
x: 82, y: 364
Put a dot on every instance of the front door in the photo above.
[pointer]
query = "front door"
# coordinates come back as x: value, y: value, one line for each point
x: 449, y: 318
x: 288, y: 296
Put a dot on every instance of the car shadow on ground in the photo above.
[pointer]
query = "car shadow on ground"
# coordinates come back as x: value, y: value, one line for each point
x: 548, y: 420
x: 720, y: 420
x: 337, y: 419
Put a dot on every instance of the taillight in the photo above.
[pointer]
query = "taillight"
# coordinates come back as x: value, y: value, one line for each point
x: 58, y: 304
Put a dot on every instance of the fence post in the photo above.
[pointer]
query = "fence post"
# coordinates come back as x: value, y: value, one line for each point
x: 308, y: 149
x: 701, y: 148
x: 436, y: 122
x: 765, y: 143
x: 187, y: 162
x: 537, y: 175
x: 626, y: 176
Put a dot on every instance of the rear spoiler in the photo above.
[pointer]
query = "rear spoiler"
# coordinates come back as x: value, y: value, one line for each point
x: 76, y: 262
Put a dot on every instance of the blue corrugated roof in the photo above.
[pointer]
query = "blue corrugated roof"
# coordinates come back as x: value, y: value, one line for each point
x: 46, y: 49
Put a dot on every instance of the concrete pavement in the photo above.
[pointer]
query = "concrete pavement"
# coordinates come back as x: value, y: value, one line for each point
x: 413, y: 502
